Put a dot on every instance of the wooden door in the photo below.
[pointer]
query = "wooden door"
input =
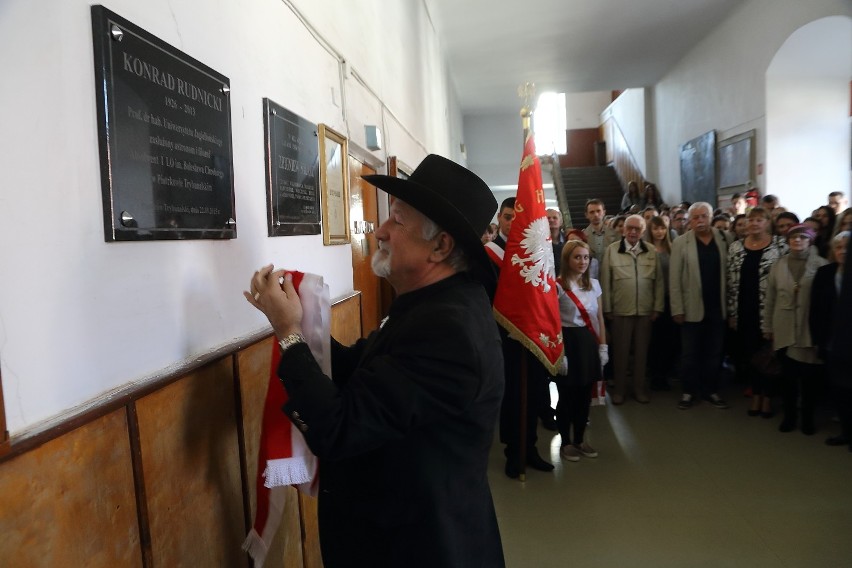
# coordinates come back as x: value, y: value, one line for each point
x: 364, y: 218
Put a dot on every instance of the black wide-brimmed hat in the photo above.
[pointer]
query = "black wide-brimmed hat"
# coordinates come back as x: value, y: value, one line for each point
x: 457, y: 200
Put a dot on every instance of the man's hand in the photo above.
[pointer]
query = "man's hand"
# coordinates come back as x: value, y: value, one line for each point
x: 272, y: 293
x: 678, y: 319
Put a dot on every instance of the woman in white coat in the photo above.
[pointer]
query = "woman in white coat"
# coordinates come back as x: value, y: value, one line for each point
x: 785, y: 322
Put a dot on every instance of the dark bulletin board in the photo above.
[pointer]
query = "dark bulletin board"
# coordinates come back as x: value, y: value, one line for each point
x: 698, y: 168
x: 736, y: 160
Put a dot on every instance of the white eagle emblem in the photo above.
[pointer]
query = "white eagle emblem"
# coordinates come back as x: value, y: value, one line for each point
x: 537, y: 265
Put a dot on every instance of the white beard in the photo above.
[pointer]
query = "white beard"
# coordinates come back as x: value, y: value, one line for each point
x: 381, y: 263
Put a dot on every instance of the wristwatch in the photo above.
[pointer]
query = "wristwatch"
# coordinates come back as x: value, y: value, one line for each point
x: 290, y: 340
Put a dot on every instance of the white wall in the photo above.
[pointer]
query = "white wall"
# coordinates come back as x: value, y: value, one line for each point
x: 393, y: 47
x: 495, y: 144
x: 720, y: 84
x: 495, y: 141
x: 583, y: 110
x: 807, y: 115
x: 628, y: 111
x: 79, y: 316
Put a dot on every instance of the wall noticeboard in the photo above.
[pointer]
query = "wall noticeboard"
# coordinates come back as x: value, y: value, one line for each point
x: 698, y: 168
x: 736, y: 161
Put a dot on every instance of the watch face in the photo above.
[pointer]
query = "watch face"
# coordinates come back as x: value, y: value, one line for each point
x: 291, y: 340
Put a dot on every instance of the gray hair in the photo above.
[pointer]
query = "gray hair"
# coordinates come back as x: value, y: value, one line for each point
x: 457, y: 258
x: 640, y: 218
x: 700, y: 205
x: 841, y: 235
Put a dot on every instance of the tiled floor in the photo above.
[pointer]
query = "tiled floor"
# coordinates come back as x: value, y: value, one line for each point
x: 674, y: 488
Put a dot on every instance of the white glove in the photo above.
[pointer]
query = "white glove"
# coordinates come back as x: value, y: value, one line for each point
x: 563, y: 366
x: 603, y: 352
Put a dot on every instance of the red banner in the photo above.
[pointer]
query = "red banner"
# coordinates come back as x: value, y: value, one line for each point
x: 526, y: 302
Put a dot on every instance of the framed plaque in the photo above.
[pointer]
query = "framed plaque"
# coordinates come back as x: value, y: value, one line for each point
x: 164, y: 134
x: 334, y: 186
x: 292, y: 172
x: 736, y: 161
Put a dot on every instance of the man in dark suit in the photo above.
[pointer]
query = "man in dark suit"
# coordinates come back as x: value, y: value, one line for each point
x: 404, y: 427
x: 697, y: 286
x: 504, y: 221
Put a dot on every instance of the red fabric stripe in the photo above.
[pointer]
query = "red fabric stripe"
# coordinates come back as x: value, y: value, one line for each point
x: 275, y: 433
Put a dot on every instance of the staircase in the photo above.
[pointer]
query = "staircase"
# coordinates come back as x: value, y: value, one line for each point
x: 581, y: 184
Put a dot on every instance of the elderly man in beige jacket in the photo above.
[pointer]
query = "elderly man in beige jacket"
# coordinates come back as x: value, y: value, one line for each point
x: 697, y: 292
x: 633, y: 297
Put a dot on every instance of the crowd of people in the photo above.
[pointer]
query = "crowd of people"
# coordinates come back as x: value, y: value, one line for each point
x: 694, y: 293
x: 424, y: 390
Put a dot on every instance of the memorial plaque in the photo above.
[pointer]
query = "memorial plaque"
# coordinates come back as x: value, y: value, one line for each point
x: 164, y: 131
x: 292, y: 172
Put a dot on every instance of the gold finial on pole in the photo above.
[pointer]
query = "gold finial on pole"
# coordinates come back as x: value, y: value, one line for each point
x: 526, y: 92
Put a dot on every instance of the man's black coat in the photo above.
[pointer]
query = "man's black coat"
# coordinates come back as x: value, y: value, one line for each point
x: 403, y: 433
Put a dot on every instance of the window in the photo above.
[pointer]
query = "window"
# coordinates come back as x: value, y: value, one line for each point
x: 549, y: 124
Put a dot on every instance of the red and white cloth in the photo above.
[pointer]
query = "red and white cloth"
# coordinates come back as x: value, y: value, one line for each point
x: 526, y: 302
x: 283, y: 457
x: 495, y: 253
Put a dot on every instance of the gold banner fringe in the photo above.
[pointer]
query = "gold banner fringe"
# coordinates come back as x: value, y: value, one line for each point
x: 531, y: 345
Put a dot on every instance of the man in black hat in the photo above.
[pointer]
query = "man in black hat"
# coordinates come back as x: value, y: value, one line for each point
x: 404, y: 427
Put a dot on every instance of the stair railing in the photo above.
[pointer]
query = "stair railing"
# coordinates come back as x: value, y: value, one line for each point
x: 619, y: 156
x: 559, y: 189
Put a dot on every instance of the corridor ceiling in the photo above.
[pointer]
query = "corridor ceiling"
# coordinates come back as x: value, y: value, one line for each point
x: 571, y: 46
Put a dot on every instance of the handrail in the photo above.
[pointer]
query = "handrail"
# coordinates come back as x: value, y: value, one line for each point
x: 619, y: 154
x: 559, y: 189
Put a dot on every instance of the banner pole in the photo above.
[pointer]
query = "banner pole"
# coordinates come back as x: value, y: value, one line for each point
x: 526, y: 92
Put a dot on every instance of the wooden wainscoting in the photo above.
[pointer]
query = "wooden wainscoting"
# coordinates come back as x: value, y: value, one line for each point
x: 70, y: 502
x: 161, y: 476
x: 191, y: 463
x: 346, y: 319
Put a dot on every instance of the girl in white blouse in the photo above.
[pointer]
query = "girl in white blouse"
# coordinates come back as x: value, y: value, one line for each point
x: 584, y: 337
